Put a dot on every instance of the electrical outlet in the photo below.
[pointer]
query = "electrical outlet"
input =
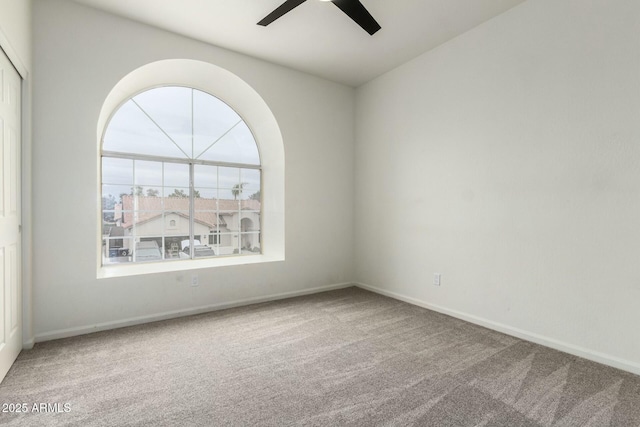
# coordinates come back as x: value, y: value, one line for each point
x: 194, y: 280
x: 436, y: 279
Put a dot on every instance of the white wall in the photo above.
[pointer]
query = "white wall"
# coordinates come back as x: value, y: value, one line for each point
x: 80, y: 54
x: 508, y: 160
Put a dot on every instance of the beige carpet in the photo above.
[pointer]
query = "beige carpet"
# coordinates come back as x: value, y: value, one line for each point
x: 346, y: 357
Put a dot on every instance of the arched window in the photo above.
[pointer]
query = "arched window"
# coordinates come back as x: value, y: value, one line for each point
x: 181, y: 179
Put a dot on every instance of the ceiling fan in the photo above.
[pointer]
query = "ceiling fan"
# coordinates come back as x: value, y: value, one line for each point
x: 353, y: 8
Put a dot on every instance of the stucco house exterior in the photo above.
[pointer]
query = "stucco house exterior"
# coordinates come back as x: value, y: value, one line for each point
x: 227, y: 226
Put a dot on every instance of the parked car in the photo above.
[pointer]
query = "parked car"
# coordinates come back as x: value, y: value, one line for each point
x: 185, y: 243
x: 148, y: 251
x: 200, y: 251
x: 203, y: 251
x: 118, y: 252
x: 115, y: 246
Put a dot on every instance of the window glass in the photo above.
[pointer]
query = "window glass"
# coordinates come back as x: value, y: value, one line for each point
x: 237, y: 145
x: 148, y: 173
x: 181, y: 179
x: 172, y: 118
x: 132, y: 131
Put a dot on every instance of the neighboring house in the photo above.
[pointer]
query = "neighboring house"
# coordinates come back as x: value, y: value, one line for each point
x: 228, y: 226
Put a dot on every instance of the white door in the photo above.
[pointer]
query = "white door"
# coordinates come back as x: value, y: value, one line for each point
x: 10, y: 281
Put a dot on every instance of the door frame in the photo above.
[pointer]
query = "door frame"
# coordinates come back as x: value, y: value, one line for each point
x: 28, y: 338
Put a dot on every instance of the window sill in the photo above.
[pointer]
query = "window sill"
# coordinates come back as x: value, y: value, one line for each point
x: 120, y: 270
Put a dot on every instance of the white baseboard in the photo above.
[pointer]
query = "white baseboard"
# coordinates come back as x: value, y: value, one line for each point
x: 82, y: 330
x: 605, y: 359
x: 28, y: 344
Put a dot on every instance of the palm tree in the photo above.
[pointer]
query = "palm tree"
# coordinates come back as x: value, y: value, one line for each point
x: 237, y: 190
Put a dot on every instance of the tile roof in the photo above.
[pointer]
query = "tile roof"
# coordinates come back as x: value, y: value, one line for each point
x: 209, y: 212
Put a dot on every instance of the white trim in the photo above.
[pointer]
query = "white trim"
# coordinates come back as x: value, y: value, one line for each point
x: 605, y: 359
x: 13, y: 56
x: 133, y: 269
x: 82, y: 330
x: 27, y: 221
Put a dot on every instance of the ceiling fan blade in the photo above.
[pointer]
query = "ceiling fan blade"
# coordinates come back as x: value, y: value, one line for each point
x: 356, y: 11
x: 284, y: 8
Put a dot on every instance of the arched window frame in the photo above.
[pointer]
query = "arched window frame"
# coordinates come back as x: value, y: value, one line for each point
x: 252, y: 108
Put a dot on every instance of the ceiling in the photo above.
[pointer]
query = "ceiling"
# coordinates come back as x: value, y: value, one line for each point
x: 316, y: 37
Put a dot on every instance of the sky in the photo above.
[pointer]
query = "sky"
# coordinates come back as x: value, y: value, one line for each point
x: 182, y: 123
